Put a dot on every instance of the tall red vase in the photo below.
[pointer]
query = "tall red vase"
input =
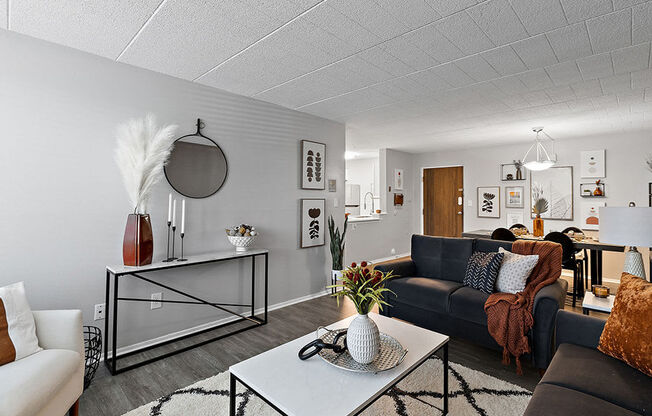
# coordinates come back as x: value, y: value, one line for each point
x: 138, y: 243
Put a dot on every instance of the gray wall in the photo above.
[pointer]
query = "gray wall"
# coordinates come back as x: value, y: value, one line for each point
x: 63, y: 207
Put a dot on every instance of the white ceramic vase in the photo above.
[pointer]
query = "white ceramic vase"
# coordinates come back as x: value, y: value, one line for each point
x: 363, y: 339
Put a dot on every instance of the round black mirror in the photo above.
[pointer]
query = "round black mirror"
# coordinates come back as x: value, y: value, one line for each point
x: 197, y: 167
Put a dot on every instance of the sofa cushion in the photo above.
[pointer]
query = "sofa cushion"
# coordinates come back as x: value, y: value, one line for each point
x: 592, y: 372
x: 482, y: 270
x: 36, y: 380
x: 422, y: 292
x: 490, y: 246
x: 549, y: 399
x: 468, y: 304
x: 515, y: 271
x: 441, y: 257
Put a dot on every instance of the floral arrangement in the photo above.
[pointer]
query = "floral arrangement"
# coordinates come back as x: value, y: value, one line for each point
x: 364, y: 287
x: 242, y: 230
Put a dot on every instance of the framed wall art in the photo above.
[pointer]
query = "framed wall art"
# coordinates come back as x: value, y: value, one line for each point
x: 592, y: 164
x: 489, y: 201
x: 312, y: 222
x: 591, y: 215
x: 514, y: 196
x: 313, y: 165
x: 514, y: 217
x: 398, y: 179
x: 555, y: 185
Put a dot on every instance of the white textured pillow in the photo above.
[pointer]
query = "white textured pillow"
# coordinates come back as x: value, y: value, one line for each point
x: 17, y: 328
x: 514, y: 271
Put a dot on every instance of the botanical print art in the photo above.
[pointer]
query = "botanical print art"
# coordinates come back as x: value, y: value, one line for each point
x: 313, y: 165
x: 555, y: 185
x: 312, y: 222
x: 489, y: 201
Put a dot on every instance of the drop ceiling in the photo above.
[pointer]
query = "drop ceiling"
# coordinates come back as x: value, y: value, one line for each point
x: 415, y: 75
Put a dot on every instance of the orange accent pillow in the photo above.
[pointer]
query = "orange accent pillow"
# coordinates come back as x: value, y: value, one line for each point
x: 627, y: 335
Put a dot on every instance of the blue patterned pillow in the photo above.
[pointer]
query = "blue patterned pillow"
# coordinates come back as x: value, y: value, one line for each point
x: 482, y: 271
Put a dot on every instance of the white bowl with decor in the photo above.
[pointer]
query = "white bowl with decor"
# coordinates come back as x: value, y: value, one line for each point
x: 242, y: 243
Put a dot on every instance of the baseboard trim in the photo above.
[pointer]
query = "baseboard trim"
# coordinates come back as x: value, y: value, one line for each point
x: 198, y: 328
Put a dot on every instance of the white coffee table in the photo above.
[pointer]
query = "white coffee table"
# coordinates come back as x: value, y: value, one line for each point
x: 314, y: 387
x: 594, y: 303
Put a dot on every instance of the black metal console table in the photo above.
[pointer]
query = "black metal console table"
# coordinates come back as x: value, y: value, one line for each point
x: 114, y: 273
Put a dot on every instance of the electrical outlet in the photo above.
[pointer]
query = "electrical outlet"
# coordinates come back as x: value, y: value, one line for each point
x: 156, y: 300
x: 99, y: 311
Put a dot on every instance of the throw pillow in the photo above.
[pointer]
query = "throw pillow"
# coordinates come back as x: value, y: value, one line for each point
x: 482, y: 270
x: 514, y: 271
x: 628, y: 331
x: 17, y: 329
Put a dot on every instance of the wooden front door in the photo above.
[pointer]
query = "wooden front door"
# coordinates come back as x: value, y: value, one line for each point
x: 443, y: 201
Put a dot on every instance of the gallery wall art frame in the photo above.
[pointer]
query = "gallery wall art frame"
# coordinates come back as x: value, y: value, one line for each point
x: 556, y: 185
x: 488, y: 201
x: 398, y: 179
x: 591, y: 214
x: 593, y: 163
x: 514, y: 196
x: 313, y: 225
x: 313, y: 165
x: 514, y: 217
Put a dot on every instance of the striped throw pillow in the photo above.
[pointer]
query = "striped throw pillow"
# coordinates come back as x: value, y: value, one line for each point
x: 17, y: 329
x: 482, y: 270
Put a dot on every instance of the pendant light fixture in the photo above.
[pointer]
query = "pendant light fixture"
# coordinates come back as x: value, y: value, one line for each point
x: 539, y: 157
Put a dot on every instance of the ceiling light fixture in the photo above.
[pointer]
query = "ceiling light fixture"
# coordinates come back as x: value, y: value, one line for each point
x: 544, y: 159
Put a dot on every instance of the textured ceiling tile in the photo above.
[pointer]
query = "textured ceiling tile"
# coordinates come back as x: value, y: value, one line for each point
x: 515, y: 102
x: 595, y: 66
x: 3, y: 14
x: 453, y: 75
x: 536, y: 79
x: 539, y: 16
x: 537, y: 98
x: 477, y: 68
x: 283, y: 10
x: 464, y: 33
x: 642, y: 23
x: 616, y: 84
x: 560, y: 94
x: 429, y: 80
x: 510, y: 85
x: 535, y: 52
x: 579, y: 10
x: 642, y: 79
x: 633, y: 58
x: 448, y: 7
x: 621, y: 4
x: 504, y: 60
x: 356, y: 64
x: 100, y: 27
x: 429, y: 40
x: 412, y: 13
x: 498, y: 20
x: 407, y: 52
x: 610, y: 31
x: 570, y: 42
x: 371, y: 16
x: 346, y: 29
x: 379, y: 57
x: 565, y: 73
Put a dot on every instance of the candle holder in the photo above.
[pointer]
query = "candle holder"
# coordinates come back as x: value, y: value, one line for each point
x: 174, y: 229
x: 182, y: 258
x: 167, y: 251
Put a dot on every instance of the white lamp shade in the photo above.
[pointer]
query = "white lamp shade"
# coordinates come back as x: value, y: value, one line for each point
x: 626, y: 226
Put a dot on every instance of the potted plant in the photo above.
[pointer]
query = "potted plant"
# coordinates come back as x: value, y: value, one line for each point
x: 142, y: 150
x: 539, y: 206
x: 337, y: 248
x: 365, y: 288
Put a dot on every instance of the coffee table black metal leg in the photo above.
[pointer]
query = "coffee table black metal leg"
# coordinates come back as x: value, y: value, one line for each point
x: 232, y: 396
x: 446, y: 378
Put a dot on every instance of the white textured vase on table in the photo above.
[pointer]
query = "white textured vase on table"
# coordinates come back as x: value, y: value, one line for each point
x: 363, y: 339
x: 241, y: 243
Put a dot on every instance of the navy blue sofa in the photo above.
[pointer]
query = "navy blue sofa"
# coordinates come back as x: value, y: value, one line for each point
x: 430, y: 294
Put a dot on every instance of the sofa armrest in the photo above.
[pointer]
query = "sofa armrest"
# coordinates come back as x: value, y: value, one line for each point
x: 582, y: 330
x: 400, y: 268
x: 60, y: 329
x: 547, y: 302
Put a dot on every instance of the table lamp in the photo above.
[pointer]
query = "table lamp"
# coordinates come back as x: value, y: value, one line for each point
x: 628, y: 226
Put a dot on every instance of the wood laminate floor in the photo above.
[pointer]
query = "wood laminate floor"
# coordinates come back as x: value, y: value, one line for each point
x: 114, y: 395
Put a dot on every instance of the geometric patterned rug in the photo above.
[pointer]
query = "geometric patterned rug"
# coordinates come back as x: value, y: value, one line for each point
x: 471, y: 393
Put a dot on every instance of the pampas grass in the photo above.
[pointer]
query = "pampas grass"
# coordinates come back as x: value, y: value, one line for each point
x: 142, y: 151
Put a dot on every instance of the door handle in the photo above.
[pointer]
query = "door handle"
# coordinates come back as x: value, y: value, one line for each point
x: 459, y: 212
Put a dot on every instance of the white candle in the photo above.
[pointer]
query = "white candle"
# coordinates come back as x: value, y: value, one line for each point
x: 169, y: 208
x: 174, y: 213
x: 183, y: 215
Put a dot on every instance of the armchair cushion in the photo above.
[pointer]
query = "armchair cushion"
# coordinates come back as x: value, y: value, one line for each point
x: 17, y: 331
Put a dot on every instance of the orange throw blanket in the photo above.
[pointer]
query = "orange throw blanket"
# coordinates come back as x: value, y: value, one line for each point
x: 509, y: 316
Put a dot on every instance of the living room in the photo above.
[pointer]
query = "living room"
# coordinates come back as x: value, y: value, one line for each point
x: 187, y: 186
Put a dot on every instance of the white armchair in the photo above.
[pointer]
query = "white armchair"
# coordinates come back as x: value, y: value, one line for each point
x: 50, y: 382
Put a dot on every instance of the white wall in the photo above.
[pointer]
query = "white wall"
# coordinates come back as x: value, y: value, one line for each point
x: 626, y: 180
x: 64, y: 208
x: 380, y: 239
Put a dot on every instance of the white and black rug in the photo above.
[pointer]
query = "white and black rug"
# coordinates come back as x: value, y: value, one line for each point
x: 471, y: 392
